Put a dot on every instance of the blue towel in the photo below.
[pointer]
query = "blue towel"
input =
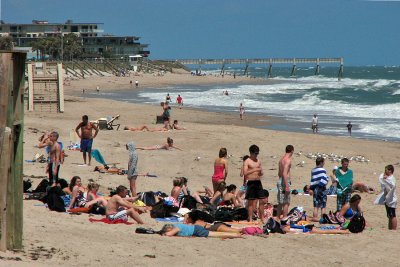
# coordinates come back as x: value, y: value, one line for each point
x: 98, y: 157
x: 169, y: 219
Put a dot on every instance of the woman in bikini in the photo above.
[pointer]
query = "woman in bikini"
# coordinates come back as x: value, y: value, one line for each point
x: 220, y: 168
x: 167, y: 146
x: 176, y: 190
x: 352, y: 208
x: 79, y: 198
x: 229, y: 198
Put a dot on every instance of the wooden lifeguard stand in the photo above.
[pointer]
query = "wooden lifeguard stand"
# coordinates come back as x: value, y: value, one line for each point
x: 12, y: 79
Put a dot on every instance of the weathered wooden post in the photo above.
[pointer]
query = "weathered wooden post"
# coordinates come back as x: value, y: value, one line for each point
x: 12, y: 71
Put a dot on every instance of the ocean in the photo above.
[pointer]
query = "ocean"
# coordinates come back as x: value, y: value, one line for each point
x: 368, y: 96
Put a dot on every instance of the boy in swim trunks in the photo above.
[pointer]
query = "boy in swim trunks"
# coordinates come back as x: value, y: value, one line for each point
x: 253, y: 171
x: 120, y: 208
x: 86, y: 135
x: 285, y: 163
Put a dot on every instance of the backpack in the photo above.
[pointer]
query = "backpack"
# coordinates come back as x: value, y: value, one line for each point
x: 54, y: 200
x: 42, y: 186
x: 357, y: 223
x: 240, y: 214
x: 188, y: 202
x: 161, y: 210
x: 27, y: 185
x: 149, y: 198
x: 97, y: 209
x: 272, y: 226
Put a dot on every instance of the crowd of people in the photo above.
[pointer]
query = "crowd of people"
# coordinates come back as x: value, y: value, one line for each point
x: 250, y: 196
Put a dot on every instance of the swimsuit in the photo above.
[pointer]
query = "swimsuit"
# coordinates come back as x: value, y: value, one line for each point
x: 86, y: 145
x: 81, y: 199
x: 254, y: 190
x: 282, y: 197
x: 119, y: 215
x: 350, y: 213
x: 218, y: 173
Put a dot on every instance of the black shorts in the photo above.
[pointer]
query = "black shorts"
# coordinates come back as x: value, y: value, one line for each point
x: 390, y: 212
x: 254, y: 190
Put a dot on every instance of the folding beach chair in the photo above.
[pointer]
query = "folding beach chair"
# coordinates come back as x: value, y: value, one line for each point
x: 110, y: 124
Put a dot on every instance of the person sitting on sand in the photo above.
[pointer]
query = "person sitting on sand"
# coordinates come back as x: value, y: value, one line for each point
x: 177, y: 185
x: 195, y: 217
x: 352, y: 208
x: 119, y: 208
x: 220, y: 168
x: 93, y: 188
x: 229, y: 198
x: 180, y: 229
x: 216, y: 198
x: 167, y: 146
x: 175, y: 126
x: 79, y: 199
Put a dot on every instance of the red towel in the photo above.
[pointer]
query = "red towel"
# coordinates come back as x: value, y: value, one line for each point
x: 107, y: 221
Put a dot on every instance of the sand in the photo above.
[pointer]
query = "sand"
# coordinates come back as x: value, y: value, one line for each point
x: 62, y: 239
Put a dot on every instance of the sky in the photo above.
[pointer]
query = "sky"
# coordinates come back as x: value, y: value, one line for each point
x: 362, y: 32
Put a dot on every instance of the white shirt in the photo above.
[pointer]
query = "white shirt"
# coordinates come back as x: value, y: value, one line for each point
x: 388, y: 195
x: 315, y: 120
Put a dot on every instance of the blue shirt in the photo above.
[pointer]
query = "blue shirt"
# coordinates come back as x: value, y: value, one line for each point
x: 185, y: 229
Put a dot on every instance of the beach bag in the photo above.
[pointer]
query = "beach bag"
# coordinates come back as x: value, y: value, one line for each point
x: 272, y: 226
x: 188, y: 202
x: 97, y: 209
x: 240, y: 214
x: 54, y: 200
x: 203, y: 215
x: 27, y: 185
x: 357, y: 223
x: 42, y: 186
x: 149, y: 198
x: 161, y: 210
x: 224, y: 214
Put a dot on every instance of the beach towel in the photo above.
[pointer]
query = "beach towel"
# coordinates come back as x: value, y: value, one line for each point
x: 98, y: 157
x: 107, y: 221
x: 345, y: 180
x: 133, y: 160
x: 169, y: 219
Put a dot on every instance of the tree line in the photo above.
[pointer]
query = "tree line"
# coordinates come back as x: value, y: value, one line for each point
x: 50, y: 47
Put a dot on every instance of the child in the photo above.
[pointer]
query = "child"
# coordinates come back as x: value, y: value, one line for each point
x: 388, y: 196
x: 180, y: 229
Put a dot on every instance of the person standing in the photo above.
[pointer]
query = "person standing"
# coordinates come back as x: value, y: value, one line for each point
x: 349, y: 126
x: 388, y: 196
x: 168, y: 98
x: 179, y: 101
x: 253, y: 171
x: 55, y: 157
x: 285, y: 163
x: 132, y: 167
x: 345, y: 183
x: 86, y: 135
x: 220, y: 169
x: 241, y: 111
x: 98, y: 89
x: 319, y: 180
x: 314, y: 124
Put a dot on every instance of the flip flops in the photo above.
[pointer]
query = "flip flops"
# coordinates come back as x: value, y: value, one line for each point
x: 142, y: 230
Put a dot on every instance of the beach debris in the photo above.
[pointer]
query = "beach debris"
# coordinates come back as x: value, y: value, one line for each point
x: 300, y: 164
x: 197, y: 158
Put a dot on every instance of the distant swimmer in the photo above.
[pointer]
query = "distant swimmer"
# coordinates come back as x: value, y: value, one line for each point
x: 137, y: 83
x: 168, y: 98
x: 349, y: 126
x: 241, y: 111
x: 314, y: 124
x: 98, y: 89
x: 226, y: 92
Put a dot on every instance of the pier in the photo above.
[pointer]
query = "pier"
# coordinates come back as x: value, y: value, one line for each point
x: 267, y: 61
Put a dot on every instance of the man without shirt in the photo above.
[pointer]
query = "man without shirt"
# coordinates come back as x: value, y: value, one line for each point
x: 118, y: 207
x: 55, y: 159
x: 285, y: 163
x: 86, y: 136
x: 253, y: 171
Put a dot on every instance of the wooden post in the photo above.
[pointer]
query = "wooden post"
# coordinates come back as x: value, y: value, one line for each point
x: 60, y: 88
x: 12, y: 72
x: 5, y: 142
x: 30, y: 87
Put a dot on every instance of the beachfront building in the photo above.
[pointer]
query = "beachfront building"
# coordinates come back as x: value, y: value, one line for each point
x: 94, y: 42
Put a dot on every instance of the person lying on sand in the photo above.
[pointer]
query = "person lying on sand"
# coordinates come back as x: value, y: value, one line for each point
x: 167, y: 146
x: 144, y: 128
x: 119, y: 208
x: 175, y: 126
x: 180, y: 229
x: 195, y: 217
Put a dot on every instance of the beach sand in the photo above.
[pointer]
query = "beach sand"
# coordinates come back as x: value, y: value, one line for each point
x: 62, y: 239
